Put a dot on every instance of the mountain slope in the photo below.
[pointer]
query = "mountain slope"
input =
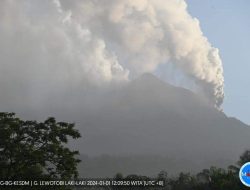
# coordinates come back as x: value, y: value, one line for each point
x: 149, y: 118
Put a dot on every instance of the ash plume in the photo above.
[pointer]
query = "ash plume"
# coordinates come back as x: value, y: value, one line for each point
x: 61, y: 43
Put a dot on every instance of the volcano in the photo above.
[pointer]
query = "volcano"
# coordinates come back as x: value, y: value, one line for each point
x: 149, y: 125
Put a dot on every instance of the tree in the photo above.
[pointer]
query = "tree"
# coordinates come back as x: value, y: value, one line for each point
x: 244, y: 158
x: 184, y: 181
x: 36, y: 150
x: 208, y: 179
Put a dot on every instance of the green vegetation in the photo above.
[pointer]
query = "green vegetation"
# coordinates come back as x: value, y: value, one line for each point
x: 208, y: 179
x: 36, y: 150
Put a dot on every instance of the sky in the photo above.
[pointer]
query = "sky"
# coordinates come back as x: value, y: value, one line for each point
x: 226, y: 23
x: 50, y: 49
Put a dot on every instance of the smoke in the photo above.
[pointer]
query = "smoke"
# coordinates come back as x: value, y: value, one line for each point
x: 47, y: 46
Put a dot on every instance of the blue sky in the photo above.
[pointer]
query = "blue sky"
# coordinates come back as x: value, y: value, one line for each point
x: 226, y: 23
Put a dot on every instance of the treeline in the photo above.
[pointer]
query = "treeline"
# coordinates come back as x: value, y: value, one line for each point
x: 38, y: 150
x: 208, y: 179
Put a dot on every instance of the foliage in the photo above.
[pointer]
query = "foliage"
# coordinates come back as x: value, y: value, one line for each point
x: 36, y: 150
x: 208, y: 179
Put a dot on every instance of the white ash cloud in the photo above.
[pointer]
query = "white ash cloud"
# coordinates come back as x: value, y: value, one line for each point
x: 52, y: 44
